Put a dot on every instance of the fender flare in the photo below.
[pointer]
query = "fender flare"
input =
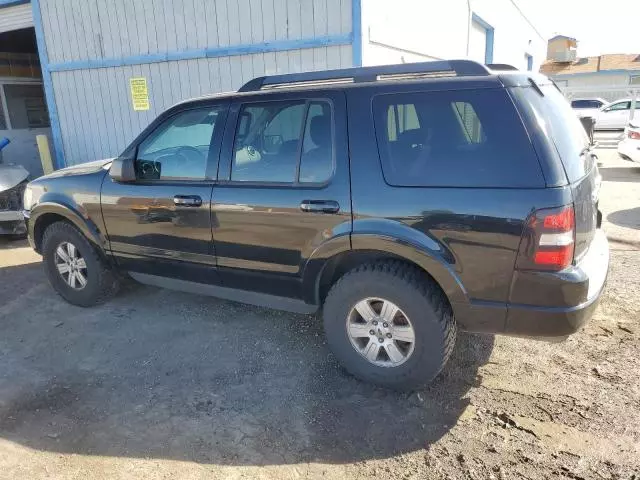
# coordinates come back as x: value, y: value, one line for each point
x: 429, y: 260
x: 327, y: 253
x: 69, y: 213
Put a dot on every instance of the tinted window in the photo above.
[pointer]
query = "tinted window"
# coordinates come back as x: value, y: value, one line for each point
x: 454, y: 139
x: 179, y: 147
x: 284, y: 142
x: 316, y: 164
x: 560, y: 123
x: 586, y: 104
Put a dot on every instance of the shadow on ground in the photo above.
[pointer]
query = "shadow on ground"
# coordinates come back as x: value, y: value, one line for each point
x: 626, y: 218
x: 159, y: 374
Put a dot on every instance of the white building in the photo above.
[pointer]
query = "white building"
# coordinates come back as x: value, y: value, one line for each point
x: 89, y: 50
x: 488, y: 31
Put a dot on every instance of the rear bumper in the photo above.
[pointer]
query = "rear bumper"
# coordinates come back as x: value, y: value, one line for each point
x: 630, y: 149
x: 589, y: 276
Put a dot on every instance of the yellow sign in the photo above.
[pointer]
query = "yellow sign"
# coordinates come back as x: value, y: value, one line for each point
x: 139, y: 93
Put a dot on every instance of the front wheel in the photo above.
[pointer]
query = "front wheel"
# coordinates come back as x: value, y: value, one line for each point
x: 389, y: 324
x: 74, y: 268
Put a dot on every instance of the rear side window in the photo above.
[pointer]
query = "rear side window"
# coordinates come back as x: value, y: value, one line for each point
x: 454, y: 139
x: 555, y: 117
x: 284, y: 142
x: 586, y: 104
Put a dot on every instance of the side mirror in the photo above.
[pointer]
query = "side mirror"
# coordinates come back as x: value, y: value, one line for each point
x: 122, y: 170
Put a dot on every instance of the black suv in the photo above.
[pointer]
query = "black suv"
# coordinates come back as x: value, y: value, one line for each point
x: 402, y: 201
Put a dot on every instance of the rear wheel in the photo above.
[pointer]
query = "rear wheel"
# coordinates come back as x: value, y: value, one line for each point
x: 389, y: 324
x: 74, y: 268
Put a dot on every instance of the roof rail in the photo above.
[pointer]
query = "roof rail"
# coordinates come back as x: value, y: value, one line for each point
x: 371, y: 74
x: 501, y: 67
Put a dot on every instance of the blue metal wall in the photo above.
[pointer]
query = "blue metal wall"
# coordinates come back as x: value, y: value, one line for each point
x: 184, y: 48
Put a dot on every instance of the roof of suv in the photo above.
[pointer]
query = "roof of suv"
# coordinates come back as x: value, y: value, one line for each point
x: 451, y: 70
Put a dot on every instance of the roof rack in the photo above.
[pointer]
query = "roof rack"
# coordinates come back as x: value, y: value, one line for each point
x: 403, y: 71
x: 501, y: 67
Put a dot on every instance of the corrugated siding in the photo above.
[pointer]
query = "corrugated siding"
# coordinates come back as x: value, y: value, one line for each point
x: 16, y: 17
x: 93, y: 29
x: 94, y: 106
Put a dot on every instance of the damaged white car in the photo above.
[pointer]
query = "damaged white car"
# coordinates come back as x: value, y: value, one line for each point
x: 13, y: 180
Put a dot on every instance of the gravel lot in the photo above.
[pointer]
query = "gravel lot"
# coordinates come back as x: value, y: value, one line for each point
x: 158, y: 384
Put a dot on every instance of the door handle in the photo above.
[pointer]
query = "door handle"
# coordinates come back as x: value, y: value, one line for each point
x: 187, y: 200
x: 320, y: 206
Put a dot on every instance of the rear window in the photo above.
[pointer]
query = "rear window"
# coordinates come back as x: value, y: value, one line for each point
x: 563, y: 127
x: 454, y: 139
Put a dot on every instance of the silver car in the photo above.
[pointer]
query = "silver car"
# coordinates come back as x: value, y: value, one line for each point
x: 13, y: 180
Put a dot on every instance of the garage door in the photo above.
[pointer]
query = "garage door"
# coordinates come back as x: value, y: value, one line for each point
x: 16, y: 17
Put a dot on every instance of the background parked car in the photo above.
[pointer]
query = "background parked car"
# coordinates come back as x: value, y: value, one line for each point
x: 587, y: 107
x: 615, y: 115
x: 629, y: 147
x: 13, y: 180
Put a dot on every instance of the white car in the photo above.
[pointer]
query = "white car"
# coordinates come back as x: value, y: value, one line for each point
x: 629, y: 147
x: 615, y: 115
x: 587, y: 107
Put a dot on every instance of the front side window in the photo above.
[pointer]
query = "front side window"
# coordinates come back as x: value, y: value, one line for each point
x: 179, y: 147
x: 619, y: 106
x: 454, y: 139
x: 283, y: 142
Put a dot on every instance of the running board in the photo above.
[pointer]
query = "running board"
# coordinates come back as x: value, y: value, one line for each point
x: 235, y: 295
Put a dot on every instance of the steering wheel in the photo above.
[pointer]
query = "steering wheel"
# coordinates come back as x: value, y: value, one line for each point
x: 193, y: 157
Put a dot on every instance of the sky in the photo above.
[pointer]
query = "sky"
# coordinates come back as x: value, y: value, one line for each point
x: 600, y: 26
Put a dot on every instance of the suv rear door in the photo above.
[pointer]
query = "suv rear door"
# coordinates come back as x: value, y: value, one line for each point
x: 282, y: 190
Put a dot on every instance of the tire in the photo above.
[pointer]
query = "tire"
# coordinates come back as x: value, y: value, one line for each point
x: 101, y: 281
x: 419, y: 300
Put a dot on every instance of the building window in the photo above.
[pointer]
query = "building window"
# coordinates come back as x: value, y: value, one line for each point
x: 25, y: 107
x: 481, y: 40
x: 635, y: 80
x: 529, y: 59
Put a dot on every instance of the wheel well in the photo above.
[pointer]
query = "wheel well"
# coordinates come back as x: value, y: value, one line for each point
x: 342, y: 263
x: 42, y: 224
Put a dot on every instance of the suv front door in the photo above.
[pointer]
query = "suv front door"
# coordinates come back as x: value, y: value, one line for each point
x: 283, y: 189
x: 161, y: 224
x: 615, y: 116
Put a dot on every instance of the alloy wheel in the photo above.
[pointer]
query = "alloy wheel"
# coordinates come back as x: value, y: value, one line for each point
x: 71, y: 266
x: 381, y: 332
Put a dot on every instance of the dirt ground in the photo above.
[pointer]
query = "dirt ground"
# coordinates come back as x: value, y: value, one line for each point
x: 158, y: 384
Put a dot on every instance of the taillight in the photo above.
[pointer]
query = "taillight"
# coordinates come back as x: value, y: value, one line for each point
x: 548, y: 240
x: 634, y: 135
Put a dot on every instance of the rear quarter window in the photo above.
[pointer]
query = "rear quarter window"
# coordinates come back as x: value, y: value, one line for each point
x: 454, y: 139
x: 555, y: 117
